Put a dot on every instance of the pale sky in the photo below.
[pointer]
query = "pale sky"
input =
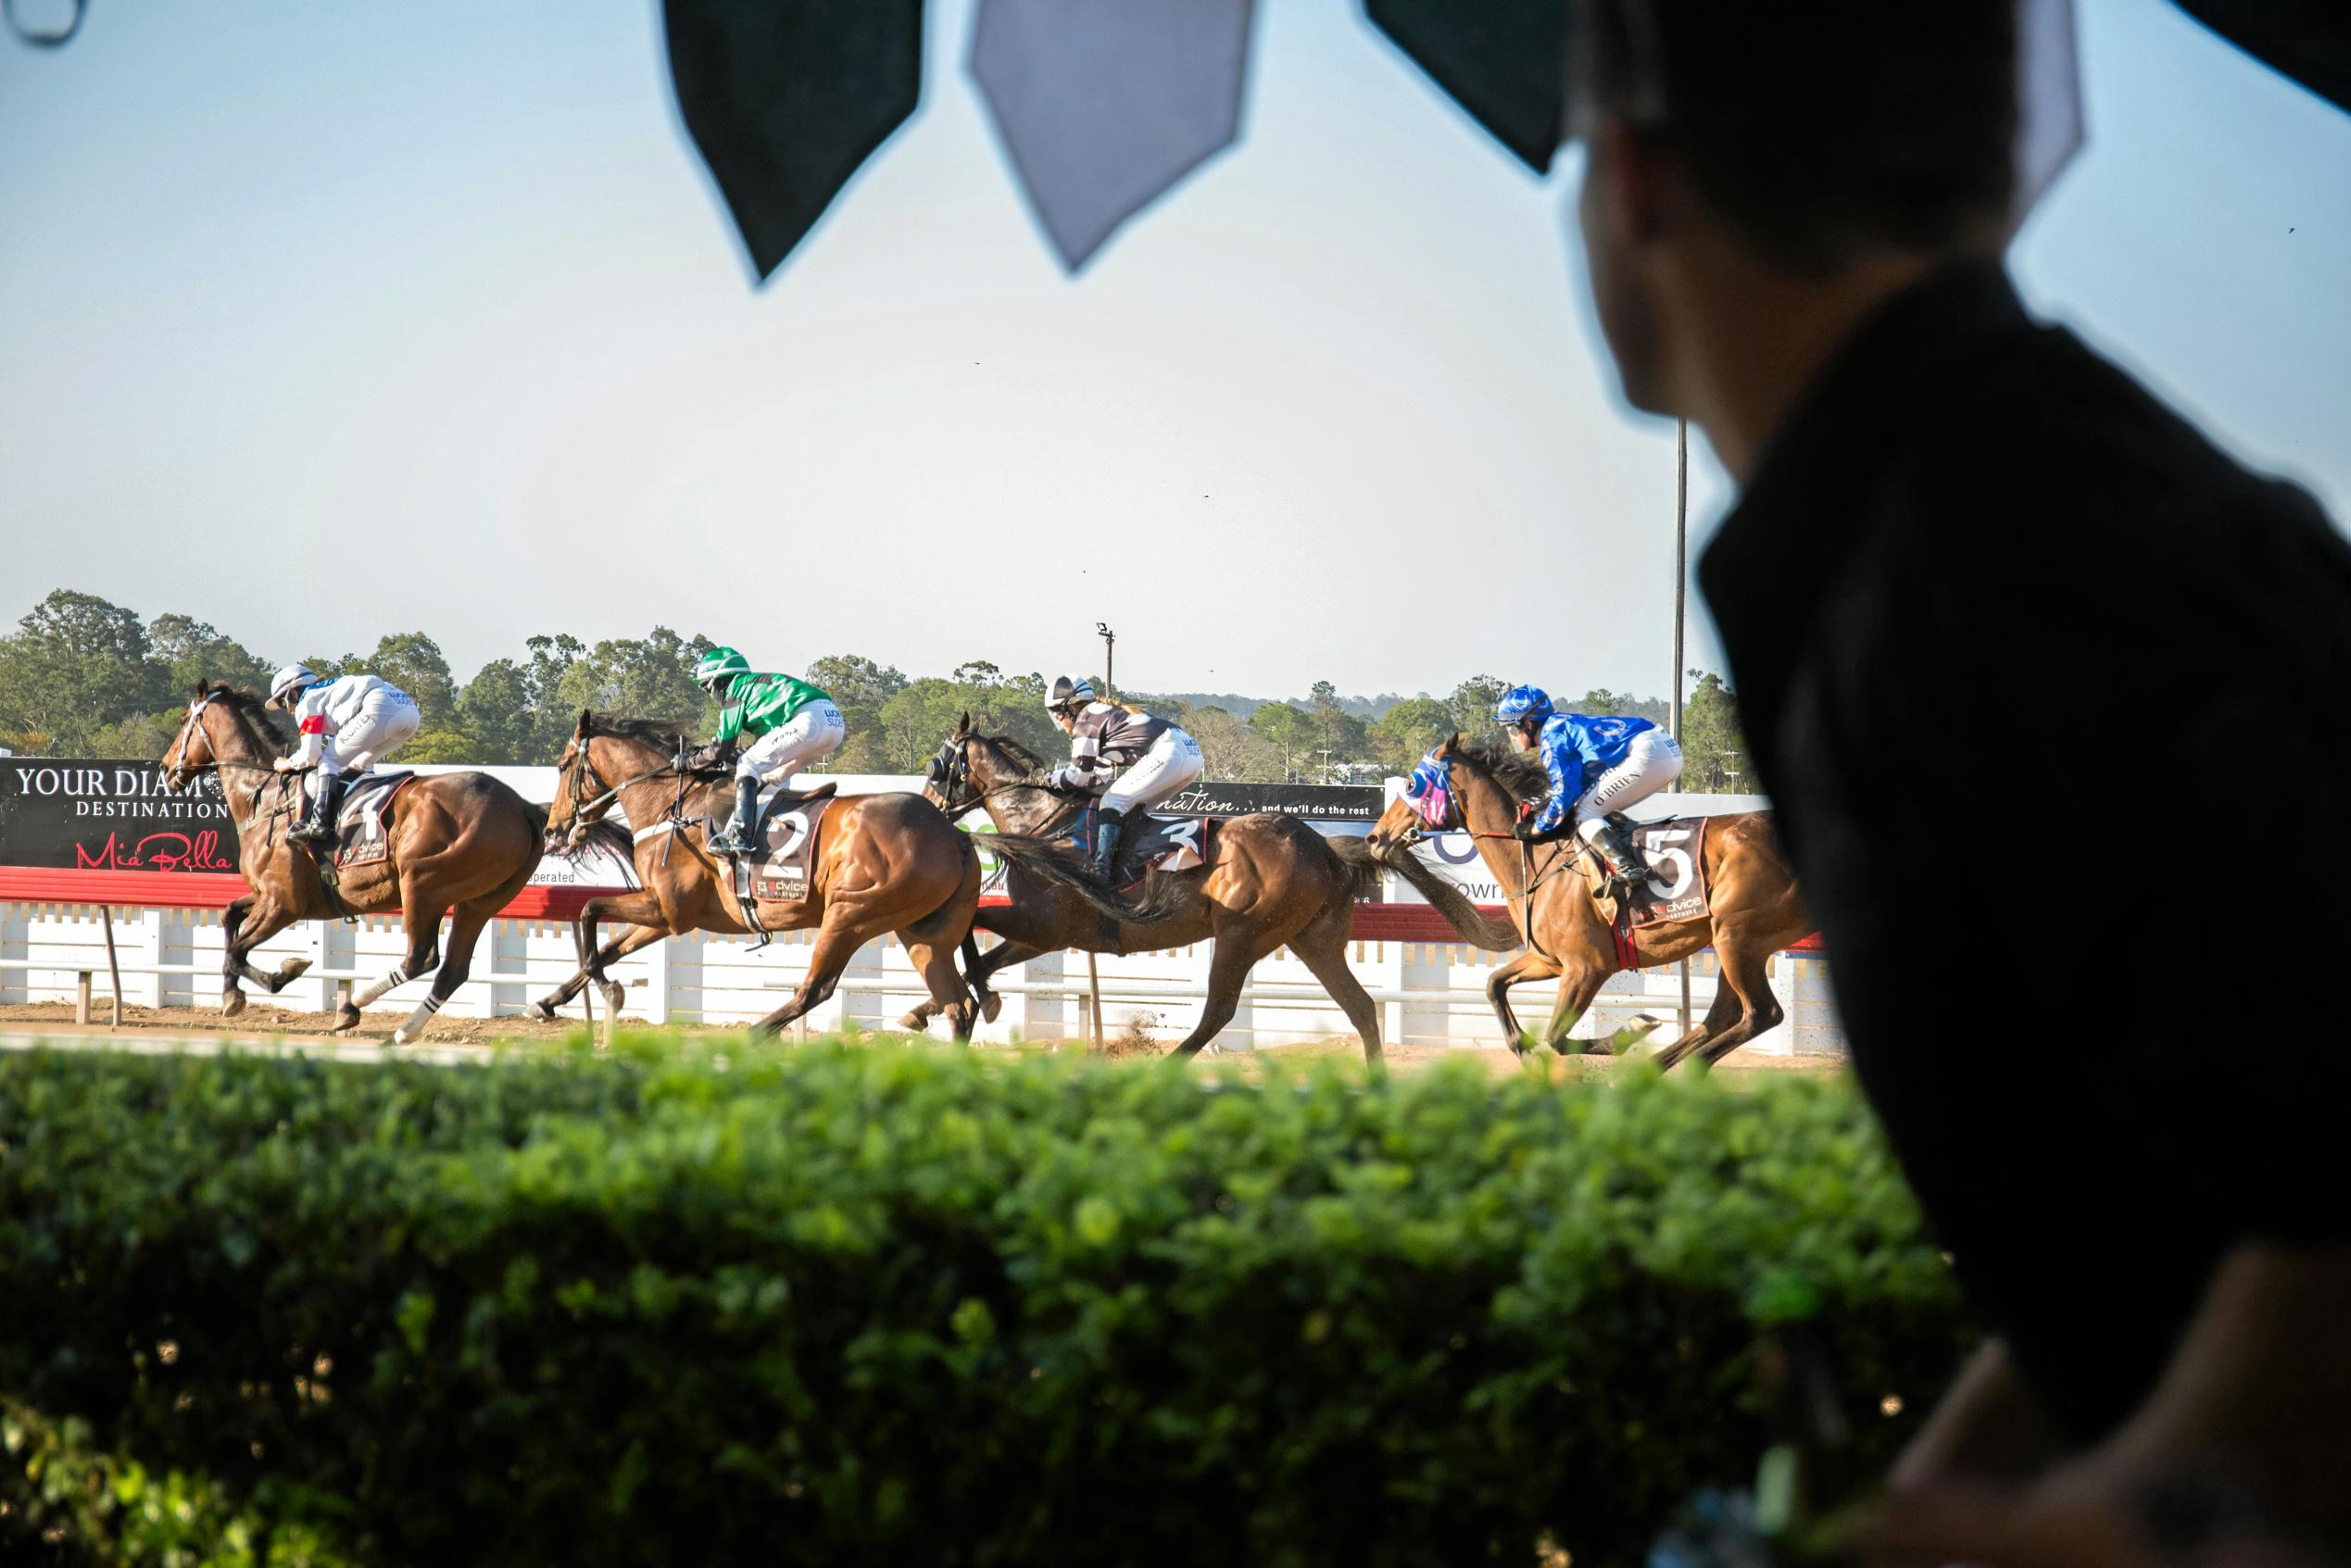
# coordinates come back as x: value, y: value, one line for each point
x: 323, y: 322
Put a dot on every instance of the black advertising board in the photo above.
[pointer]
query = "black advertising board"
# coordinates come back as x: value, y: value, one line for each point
x: 82, y: 815
x: 1329, y: 803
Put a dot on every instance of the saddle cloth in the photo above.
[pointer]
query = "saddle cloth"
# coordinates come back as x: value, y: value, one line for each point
x: 1153, y: 843
x: 1676, y: 852
x: 779, y: 873
x: 358, y: 827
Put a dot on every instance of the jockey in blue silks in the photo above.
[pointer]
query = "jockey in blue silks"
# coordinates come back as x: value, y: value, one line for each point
x: 1598, y: 764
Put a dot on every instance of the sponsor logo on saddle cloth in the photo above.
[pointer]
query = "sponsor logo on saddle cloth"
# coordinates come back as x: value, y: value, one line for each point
x: 1674, y: 850
x: 358, y: 827
x: 780, y: 875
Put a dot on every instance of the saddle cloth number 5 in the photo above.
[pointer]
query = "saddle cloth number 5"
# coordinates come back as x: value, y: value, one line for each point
x: 1665, y: 847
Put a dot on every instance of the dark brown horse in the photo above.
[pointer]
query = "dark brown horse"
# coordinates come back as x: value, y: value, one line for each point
x: 1271, y: 881
x: 458, y: 842
x: 880, y: 864
x: 1756, y: 908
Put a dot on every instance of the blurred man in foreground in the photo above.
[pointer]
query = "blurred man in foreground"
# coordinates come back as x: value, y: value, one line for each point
x: 1952, y: 516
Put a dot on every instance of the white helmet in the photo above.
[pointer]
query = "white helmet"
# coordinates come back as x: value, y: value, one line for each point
x: 291, y: 678
x: 1067, y: 691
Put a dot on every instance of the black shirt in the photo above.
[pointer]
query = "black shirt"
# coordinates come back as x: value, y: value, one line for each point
x: 2048, y: 693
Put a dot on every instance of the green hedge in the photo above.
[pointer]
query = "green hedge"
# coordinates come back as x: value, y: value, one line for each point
x: 917, y: 1306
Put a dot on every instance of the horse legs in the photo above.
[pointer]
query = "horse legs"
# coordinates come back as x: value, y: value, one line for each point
x: 1743, y: 971
x: 1326, y: 958
x: 1512, y: 973
x: 424, y: 925
x: 239, y: 939
x: 837, y: 940
x: 935, y: 960
x: 465, y: 929
x: 1229, y: 968
x: 642, y: 909
x: 1579, y: 983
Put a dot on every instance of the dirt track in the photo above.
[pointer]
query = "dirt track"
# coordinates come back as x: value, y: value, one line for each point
x: 261, y: 1026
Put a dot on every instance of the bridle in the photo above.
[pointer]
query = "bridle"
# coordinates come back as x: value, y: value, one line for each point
x: 183, y: 770
x: 949, y: 773
x: 591, y: 798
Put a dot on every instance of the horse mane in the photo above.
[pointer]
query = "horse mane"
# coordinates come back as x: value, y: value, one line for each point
x: 1522, y: 774
x: 1028, y: 759
x: 250, y: 707
x: 661, y: 735
x: 602, y: 833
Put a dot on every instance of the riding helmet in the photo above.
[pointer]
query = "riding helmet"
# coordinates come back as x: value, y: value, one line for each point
x: 1522, y: 703
x: 293, y: 678
x: 1068, y: 690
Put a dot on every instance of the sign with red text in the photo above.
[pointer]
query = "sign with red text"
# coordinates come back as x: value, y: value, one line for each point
x: 82, y: 815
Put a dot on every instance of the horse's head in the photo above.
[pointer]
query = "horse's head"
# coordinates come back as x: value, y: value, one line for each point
x: 1427, y: 805
x: 581, y: 794
x: 947, y: 781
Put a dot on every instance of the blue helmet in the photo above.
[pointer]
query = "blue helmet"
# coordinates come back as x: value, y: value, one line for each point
x: 1521, y: 703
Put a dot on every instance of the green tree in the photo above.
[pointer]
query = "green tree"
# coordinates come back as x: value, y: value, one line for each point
x: 1225, y: 742
x: 76, y: 666
x: 1405, y: 733
x: 1713, y: 752
x: 1473, y: 703
x: 1288, y: 733
x: 192, y: 650
x: 859, y: 687
x: 414, y: 662
x: 495, y: 709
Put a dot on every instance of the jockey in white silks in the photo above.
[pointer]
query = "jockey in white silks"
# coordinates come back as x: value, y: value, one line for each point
x: 1132, y: 759
x: 347, y: 726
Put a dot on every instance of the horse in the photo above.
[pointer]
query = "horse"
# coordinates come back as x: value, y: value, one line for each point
x: 1271, y: 881
x: 1756, y: 909
x: 880, y: 864
x: 456, y: 842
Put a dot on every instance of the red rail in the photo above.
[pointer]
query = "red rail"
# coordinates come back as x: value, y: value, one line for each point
x: 212, y: 890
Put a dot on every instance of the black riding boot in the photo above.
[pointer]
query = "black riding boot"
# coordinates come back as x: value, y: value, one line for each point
x: 1108, y: 830
x: 326, y: 800
x: 1625, y: 868
x: 735, y: 837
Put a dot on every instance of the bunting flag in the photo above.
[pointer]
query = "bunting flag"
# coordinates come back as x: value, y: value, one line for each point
x: 1504, y: 61
x: 1103, y: 105
x: 787, y: 99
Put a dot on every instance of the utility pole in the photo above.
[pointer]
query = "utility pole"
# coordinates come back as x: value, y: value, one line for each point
x: 1109, y: 647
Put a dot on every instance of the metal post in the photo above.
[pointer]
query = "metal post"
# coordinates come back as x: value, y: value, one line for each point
x: 1681, y: 586
x: 114, y: 969
x: 1110, y: 694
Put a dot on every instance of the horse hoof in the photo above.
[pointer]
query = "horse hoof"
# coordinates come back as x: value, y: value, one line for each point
x: 401, y: 1036
x: 614, y: 995
x: 231, y: 1003
x: 347, y: 1018
x: 288, y: 972
x: 990, y: 1005
x: 541, y: 1011
x: 914, y: 1023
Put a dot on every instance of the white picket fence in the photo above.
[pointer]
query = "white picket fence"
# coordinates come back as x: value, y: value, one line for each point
x: 1429, y: 992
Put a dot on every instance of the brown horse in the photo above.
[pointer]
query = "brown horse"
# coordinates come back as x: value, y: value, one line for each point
x: 461, y: 842
x: 880, y: 864
x: 1271, y: 881
x: 1756, y: 908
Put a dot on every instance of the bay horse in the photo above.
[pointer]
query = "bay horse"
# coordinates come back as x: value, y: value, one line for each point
x: 1270, y: 881
x: 880, y: 864
x: 1755, y: 910
x: 459, y: 844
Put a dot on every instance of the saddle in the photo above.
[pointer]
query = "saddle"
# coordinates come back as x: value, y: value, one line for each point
x: 1674, y: 850
x: 779, y: 872
x: 359, y: 828
x: 1151, y: 843
x: 774, y: 798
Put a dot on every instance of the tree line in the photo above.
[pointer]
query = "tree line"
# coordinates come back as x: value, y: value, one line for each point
x: 84, y: 677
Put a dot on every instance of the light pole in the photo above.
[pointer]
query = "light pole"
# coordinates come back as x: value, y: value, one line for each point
x: 1681, y: 585
x: 1109, y: 646
x: 1110, y: 694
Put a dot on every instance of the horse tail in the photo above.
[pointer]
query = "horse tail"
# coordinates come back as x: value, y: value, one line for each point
x: 1474, y: 926
x: 1364, y: 868
x: 1163, y: 897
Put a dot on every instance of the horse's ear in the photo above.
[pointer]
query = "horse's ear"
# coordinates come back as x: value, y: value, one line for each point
x: 1452, y: 744
x: 582, y: 727
x: 199, y: 690
x: 964, y: 725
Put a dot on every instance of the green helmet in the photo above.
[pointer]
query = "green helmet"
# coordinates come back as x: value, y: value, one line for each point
x: 718, y: 664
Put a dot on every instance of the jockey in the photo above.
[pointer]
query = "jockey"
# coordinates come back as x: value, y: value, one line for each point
x: 347, y: 726
x: 793, y: 724
x: 1149, y: 758
x: 1597, y: 765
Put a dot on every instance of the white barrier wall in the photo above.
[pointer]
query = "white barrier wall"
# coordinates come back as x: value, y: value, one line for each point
x: 1430, y: 993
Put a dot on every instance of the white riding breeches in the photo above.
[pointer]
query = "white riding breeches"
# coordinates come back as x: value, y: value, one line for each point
x: 1173, y: 761
x: 1651, y: 762
x: 388, y: 721
x: 811, y: 736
